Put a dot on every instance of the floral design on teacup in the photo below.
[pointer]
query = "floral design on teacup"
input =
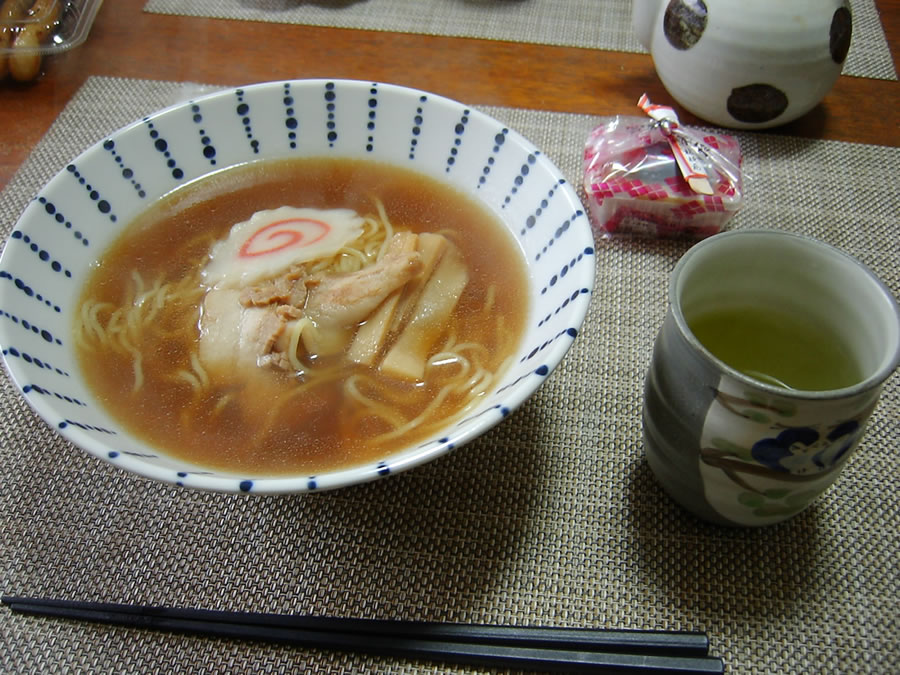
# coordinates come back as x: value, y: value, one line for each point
x: 804, y: 450
x: 762, y: 459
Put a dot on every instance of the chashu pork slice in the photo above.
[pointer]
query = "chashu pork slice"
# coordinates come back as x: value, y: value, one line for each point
x: 232, y: 335
x: 337, y: 304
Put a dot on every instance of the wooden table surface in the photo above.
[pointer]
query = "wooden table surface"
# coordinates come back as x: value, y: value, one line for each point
x: 127, y: 42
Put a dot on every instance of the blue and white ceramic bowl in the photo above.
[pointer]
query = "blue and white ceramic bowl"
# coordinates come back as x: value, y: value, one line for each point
x: 76, y: 216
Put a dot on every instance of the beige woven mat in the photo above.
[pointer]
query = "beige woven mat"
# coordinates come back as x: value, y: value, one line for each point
x: 552, y: 518
x: 596, y: 24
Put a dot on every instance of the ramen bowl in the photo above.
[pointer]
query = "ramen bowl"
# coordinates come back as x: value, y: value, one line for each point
x: 66, y: 230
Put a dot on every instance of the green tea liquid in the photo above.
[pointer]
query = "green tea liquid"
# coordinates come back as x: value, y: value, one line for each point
x: 778, y: 348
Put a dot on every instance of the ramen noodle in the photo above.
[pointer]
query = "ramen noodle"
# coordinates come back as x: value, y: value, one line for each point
x: 301, y: 315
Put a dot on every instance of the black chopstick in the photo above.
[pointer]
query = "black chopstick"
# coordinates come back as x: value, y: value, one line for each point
x: 532, y: 648
x: 686, y: 643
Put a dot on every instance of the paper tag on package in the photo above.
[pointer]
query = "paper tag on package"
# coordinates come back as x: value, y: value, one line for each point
x: 652, y: 176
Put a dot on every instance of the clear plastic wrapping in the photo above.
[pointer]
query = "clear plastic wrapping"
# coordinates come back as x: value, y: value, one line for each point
x: 656, y: 178
x: 33, y: 29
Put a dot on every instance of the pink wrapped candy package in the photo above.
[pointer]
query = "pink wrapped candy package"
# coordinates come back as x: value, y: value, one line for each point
x: 651, y: 176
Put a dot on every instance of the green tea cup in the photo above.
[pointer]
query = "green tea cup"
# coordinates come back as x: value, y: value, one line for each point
x: 772, y: 357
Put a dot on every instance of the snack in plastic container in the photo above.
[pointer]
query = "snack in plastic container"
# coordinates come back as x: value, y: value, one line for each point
x: 652, y: 176
x: 33, y: 29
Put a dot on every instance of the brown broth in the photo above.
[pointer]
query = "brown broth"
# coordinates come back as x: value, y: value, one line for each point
x: 256, y: 422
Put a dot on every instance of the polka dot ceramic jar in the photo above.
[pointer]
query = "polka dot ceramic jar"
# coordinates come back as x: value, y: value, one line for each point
x: 746, y: 64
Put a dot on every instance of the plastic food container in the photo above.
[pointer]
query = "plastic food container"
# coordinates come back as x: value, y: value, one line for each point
x: 31, y: 30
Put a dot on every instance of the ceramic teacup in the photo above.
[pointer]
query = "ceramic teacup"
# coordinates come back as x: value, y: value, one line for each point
x: 744, y: 442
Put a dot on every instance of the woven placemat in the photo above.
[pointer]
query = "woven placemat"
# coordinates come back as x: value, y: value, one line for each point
x: 552, y: 518
x: 596, y: 24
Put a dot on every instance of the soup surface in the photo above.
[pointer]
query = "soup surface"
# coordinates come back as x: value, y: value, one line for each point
x: 141, y: 329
